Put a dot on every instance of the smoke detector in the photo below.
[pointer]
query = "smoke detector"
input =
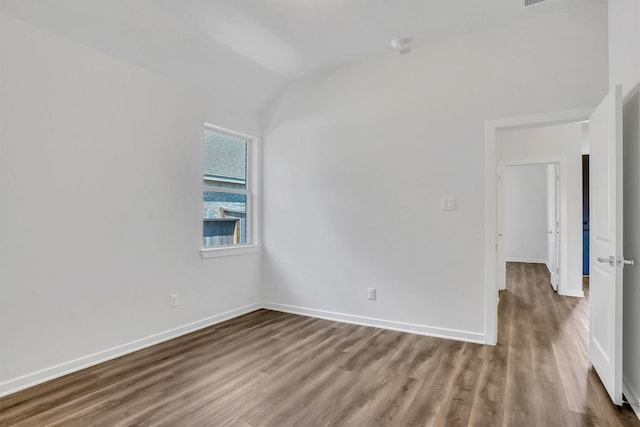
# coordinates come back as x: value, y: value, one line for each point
x: 400, y: 45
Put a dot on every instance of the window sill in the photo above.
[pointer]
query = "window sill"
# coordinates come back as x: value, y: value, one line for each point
x: 229, y: 251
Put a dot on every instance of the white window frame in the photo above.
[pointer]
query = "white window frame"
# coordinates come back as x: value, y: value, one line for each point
x: 252, y: 200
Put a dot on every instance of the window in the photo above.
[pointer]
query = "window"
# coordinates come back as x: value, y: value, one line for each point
x: 227, y: 196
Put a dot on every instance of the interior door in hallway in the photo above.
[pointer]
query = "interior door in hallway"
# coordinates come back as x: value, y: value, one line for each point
x: 553, y: 223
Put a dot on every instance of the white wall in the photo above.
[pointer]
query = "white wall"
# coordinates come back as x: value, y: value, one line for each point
x: 624, y: 68
x: 525, y: 216
x: 562, y: 142
x: 356, y: 161
x: 100, y: 208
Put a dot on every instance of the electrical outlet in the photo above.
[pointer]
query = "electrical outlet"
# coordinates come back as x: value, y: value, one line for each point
x: 173, y: 300
x: 371, y: 293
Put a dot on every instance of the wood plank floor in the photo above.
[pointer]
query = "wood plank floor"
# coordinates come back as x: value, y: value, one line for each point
x: 275, y: 369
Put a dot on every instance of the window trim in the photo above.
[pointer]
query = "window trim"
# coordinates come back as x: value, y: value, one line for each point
x: 251, y: 192
x: 229, y: 251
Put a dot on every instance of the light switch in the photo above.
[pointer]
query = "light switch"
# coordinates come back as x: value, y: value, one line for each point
x: 448, y: 203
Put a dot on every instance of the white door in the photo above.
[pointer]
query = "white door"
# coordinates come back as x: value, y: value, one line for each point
x: 553, y: 223
x: 502, y: 264
x: 605, y: 282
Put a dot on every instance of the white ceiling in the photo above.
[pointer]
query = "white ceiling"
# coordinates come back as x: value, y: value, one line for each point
x: 260, y: 44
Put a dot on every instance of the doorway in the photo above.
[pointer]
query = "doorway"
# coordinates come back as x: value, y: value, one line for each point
x: 570, y: 219
x: 606, y: 227
x: 585, y: 215
x: 529, y: 217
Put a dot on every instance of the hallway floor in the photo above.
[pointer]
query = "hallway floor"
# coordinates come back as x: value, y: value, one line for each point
x: 549, y: 376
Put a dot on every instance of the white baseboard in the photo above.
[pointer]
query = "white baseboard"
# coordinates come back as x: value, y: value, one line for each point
x: 431, y: 331
x: 528, y: 260
x: 38, y: 377
x: 577, y: 294
x: 632, y: 396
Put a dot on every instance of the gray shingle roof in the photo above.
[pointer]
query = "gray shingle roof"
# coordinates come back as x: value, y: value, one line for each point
x: 225, y: 157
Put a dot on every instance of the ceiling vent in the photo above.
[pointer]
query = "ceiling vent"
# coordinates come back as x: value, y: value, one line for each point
x: 527, y: 3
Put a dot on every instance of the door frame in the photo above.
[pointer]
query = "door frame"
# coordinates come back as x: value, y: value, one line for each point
x: 491, y: 200
x: 561, y: 209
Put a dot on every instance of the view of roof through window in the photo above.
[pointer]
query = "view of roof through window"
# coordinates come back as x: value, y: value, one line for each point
x: 225, y: 160
x: 225, y: 189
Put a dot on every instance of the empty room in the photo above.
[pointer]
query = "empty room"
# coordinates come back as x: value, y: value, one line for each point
x: 296, y: 213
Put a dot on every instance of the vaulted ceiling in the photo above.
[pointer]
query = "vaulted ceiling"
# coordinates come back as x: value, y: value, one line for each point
x: 259, y: 44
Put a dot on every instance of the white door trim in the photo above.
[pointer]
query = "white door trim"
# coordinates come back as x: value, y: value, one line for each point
x: 491, y: 200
